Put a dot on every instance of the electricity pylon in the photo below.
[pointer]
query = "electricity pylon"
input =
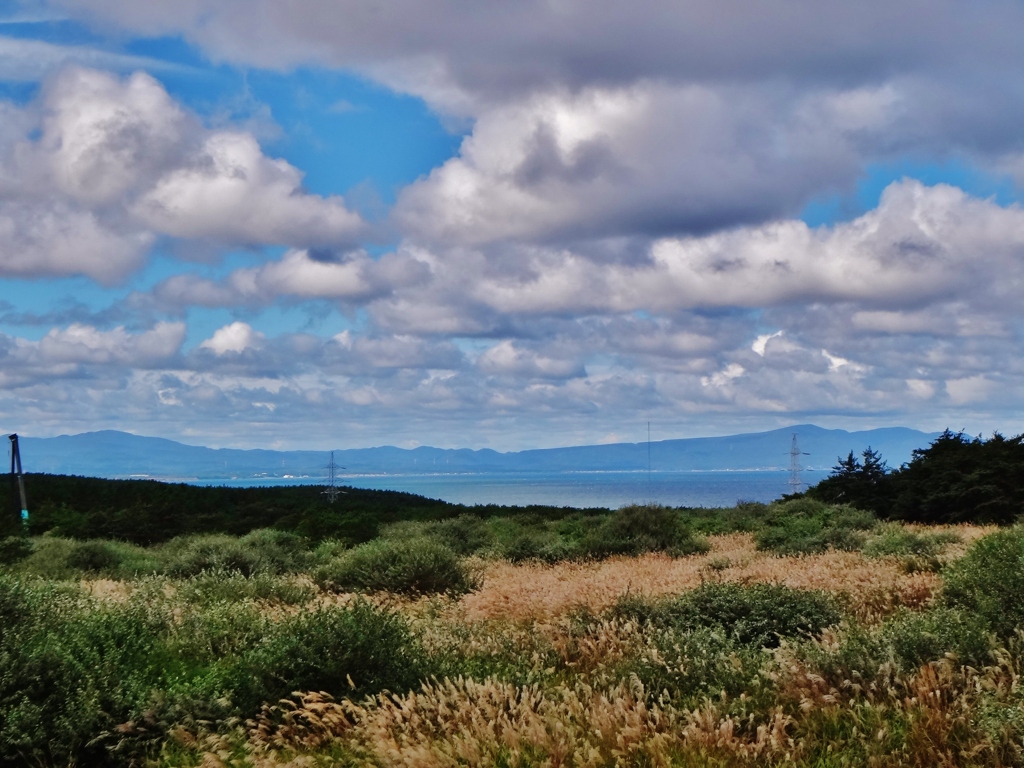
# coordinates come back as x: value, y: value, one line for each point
x: 332, y: 491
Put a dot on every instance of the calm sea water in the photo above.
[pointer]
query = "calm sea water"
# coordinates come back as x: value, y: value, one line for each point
x: 569, y: 489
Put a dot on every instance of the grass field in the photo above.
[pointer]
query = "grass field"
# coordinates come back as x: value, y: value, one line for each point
x: 789, y: 635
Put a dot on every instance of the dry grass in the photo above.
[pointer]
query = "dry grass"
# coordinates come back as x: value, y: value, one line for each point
x: 584, y: 714
x: 938, y: 715
x: 873, y: 587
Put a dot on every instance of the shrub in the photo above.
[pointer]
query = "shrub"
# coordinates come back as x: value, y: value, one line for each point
x: 698, y: 663
x: 989, y: 581
x: 13, y: 549
x: 94, y: 557
x: 634, y: 530
x: 745, y: 517
x: 793, y: 536
x: 345, y: 651
x: 464, y: 534
x: 894, y: 539
x: 52, y: 557
x: 216, y: 586
x: 759, y: 614
x: 916, y: 638
x: 49, y: 559
x: 418, y: 566
x: 260, y: 550
x: 71, y: 670
x: 806, y: 526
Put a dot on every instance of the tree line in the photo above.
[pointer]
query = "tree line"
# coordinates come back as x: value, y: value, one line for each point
x: 957, y: 479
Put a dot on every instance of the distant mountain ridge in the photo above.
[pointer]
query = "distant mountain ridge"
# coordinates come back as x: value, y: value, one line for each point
x: 120, y: 454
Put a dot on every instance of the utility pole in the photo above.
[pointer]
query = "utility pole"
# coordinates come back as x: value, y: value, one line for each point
x: 17, y: 477
x: 795, y: 483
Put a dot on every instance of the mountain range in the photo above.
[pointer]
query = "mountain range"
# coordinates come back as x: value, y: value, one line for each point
x: 120, y: 454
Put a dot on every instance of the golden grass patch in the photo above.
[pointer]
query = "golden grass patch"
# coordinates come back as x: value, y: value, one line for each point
x: 873, y: 587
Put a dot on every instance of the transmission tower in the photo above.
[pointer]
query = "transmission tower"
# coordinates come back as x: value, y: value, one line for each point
x: 332, y: 491
x: 795, y: 483
x: 17, y: 477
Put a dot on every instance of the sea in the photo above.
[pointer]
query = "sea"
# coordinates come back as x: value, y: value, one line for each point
x: 609, y: 489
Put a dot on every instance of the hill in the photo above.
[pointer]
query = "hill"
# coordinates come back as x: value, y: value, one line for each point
x: 119, y: 454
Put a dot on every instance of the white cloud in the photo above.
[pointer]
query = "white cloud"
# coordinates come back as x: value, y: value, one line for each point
x: 231, y: 191
x: 84, y: 344
x: 99, y: 166
x: 761, y: 342
x: 508, y: 358
x: 644, y: 159
x: 40, y: 239
x: 970, y: 389
x: 921, y: 245
x: 355, y: 278
x: 103, y: 137
x: 235, y: 337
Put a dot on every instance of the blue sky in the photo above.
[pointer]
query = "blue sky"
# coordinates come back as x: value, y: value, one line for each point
x: 341, y: 224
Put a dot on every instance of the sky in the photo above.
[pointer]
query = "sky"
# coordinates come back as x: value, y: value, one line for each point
x: 346, y: 223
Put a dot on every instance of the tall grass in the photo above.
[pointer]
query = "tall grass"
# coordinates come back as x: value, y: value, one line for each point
x: 634, y: 654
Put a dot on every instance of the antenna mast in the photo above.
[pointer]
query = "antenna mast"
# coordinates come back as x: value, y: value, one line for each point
x: 17, y: 477
x: 332, y: 491
x: 795, y: 483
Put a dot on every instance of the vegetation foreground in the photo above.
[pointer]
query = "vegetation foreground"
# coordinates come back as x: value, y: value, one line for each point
x: 799, y: 633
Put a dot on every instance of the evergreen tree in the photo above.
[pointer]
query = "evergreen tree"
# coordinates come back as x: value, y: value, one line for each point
x: 860, y: 482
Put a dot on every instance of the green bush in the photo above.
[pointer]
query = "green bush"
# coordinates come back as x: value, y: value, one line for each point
x: 635, y: 529
x: 464, y: 535
x: 14, y: 549
x: 49, y: 559
x: 916, y: 638
x: 57, y: 558
x: 894, y: 539
x: 81, y: 679
x: 71, y: 669
x: 806, y: 526
x: 691, y: 665
x: 989, y: 581
x: 216, y: 586
x: 745, y: 517
x: 261, y: 550
x: 418, y: 566
x: 345, y: 651
x: 758, y: 614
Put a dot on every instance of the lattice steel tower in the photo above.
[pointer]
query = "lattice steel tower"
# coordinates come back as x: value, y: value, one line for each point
x: 332, y: 491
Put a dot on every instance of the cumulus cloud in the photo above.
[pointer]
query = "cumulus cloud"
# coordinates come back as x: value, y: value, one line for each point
x: 230, y: 191
x: 235, y: 337
x: 647, y: 159
x: 355, y: 278
x: 103, y: 137
x: 50, y: 238
x: 80, y: 343
x: 84, y: 351
x: 508, y: 358
x: 921, y: 245
x: 100, y: 166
